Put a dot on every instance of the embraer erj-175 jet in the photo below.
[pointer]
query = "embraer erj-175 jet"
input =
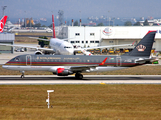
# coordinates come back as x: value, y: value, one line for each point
x: 61, y: 47
x: 63, y: 65
x: 2, y: 23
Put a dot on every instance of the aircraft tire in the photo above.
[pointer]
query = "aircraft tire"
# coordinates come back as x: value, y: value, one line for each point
x: 79, y: 76
x: 22, y: 76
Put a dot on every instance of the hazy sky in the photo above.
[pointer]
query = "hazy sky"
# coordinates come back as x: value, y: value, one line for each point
x: 81, y: 8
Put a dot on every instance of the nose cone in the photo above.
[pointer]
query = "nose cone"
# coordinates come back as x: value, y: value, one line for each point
x: 71, y: 51
x: 5, y: 66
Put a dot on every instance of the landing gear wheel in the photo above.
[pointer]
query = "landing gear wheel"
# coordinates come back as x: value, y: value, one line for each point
x: 22, y: 76
x: 79, y: 76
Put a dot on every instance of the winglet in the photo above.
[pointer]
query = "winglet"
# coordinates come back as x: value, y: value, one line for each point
x: 103, y: 62
x: 53, y: 27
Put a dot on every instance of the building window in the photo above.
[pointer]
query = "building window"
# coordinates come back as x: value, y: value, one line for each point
x: 96, y: 41
x: 82, y: 41
x: 91, y: 34
x: 77, y: 34
x: 110, y: 41
x: 91, y: 41
x: 71, y: 41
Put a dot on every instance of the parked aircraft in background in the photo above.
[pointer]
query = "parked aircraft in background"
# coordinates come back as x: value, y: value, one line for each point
x: 2, y: 23
x: 61, y: 47
x: 63, y: 65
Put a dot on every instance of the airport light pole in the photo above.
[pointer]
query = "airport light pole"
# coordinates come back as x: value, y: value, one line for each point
x: 3, y: 8
x: 25, y: 19
x: 109, y: 17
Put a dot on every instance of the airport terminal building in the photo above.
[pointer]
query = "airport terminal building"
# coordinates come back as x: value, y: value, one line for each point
x: 6, y: 38
x: 86, y: 36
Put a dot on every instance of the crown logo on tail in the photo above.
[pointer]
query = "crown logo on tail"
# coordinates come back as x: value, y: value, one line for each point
x: 141, y: 48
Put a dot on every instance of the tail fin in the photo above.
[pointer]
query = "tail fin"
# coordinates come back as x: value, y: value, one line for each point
x: 54, y: 36
x: 143, y: 48
x: 2, y: 23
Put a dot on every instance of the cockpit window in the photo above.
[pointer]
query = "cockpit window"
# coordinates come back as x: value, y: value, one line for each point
x: 16, y: 59
x: 67, y: 47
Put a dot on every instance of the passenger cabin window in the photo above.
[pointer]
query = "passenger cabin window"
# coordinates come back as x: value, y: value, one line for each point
x: 77, y: 34
x: 91, y: 34
x: 71, y: 41
x: 91, y: 41
x: 67, y: 47
x: 96, y: 41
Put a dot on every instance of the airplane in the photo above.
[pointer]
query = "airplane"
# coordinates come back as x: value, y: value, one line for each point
x: 2, y: 23
x: 64, y: 65
x: 60, y: 46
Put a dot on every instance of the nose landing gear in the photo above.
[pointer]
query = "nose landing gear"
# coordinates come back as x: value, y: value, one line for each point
x: 22, y: 76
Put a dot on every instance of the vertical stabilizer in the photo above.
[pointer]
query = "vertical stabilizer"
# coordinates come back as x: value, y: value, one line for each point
x: 2, y: 23
x: 143, y: 48
x: 54, y: 36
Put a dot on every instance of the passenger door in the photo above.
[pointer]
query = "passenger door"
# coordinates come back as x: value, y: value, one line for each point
x: 118, y: 61
x: 28, y: 60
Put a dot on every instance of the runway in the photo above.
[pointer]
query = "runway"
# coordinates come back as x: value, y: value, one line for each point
x: 88, y: 79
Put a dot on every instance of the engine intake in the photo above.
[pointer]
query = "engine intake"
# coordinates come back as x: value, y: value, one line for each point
x: 63, y: 72
x: 38, y: 53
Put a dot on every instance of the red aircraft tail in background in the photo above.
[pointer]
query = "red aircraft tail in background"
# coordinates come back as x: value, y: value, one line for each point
x: 54, y: 36
x: 2, y: 23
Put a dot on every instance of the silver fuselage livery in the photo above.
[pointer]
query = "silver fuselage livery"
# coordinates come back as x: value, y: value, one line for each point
x: 51, y: 63
x: 63, y: 65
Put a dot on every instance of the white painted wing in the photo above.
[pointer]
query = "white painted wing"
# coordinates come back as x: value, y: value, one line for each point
x: 32, y: 47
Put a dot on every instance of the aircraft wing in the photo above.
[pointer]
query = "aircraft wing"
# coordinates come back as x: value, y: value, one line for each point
x: 87, y: 68
x: 31, y: 47
x: 40, y: 38
x: 66, y: 39
x: 83, y: 50
x: 108, y: 46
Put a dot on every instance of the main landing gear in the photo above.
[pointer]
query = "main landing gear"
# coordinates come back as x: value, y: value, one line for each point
x: 78, y: 76
x: 22, y: 76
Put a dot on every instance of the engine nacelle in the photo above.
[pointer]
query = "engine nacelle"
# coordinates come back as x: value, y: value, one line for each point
x: 38, y: 53
x: 63, y: 72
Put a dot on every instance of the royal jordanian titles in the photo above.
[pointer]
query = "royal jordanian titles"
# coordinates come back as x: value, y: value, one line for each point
x: 61, y: 46
x: 64, y: 65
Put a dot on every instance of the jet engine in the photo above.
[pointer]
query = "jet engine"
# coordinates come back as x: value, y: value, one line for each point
x: 63, y: 72
x: 38, y: 53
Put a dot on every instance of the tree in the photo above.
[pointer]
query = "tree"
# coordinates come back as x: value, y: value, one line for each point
x: 146, y: 23
x: 76, y: 23
x: 100, y: 24
x: 137, y: 24
x: 50, y: 25
x: 38, y: 25
x: 128, y: 23
x: 43, y: 26
x: 42, y: 43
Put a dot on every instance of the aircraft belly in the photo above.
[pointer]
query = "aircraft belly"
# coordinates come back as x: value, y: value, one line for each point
x: 108, y: 68
x: 27, y: 68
